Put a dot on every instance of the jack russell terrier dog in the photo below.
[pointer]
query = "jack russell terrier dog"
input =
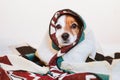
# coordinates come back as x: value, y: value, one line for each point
x: 68, y: 28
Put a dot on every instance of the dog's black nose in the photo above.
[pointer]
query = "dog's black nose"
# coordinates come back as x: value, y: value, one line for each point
x: 65, y: 36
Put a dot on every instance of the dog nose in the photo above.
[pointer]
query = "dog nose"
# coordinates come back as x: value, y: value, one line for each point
x: 65, y: 36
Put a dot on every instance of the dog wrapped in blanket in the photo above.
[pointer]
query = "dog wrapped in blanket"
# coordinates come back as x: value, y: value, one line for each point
x: 68, y: 41
x: 84, y: 41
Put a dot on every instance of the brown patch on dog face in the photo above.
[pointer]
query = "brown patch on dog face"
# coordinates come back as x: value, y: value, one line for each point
x: 71, y: 25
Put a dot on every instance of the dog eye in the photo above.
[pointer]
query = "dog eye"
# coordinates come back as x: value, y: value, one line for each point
x: 58, y: 26
x: 73, y: 25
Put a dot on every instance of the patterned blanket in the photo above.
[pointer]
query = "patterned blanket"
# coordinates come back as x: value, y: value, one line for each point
x: 53, y: 62
x: 19, y: 67
x: 14, y: 67
x: 26, y: 66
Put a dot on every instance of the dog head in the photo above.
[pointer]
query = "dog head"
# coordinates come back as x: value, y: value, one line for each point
x: 67, y: 29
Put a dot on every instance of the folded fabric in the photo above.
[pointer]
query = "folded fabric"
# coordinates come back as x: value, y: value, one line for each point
x: 77, y: 61
x: 53, y: 55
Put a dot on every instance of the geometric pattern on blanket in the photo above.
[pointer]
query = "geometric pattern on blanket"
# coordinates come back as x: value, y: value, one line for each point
x: 5, y: 60
x: 101, y: 57
x: 56, y: 73
x: 54, y: 69
x: 17, y: 74
x: 24, y: 75
x: 28, y: 53
x: 27, y: 75
x: 98, y: 57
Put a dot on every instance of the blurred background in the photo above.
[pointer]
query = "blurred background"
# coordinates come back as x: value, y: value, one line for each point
x: 26, y: 21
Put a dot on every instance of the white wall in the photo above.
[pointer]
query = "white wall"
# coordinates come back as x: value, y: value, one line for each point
x: 28, y: 20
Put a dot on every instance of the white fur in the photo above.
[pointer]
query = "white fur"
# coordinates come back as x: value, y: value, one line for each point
x: 61, y: 21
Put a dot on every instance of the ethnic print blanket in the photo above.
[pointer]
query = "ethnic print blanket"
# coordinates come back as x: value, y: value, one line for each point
x: 50, y: 62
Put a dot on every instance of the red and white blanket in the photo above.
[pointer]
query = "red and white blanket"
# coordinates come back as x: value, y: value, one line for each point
x: 13, y: 67
x: 58, y: 67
